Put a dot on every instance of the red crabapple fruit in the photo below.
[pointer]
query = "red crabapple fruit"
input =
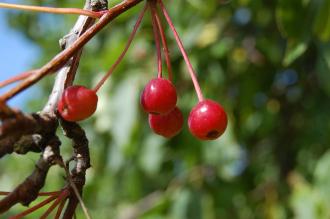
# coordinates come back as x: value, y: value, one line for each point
x: 77, y: 103
x: 207, y: 120
x: 158, y: 96
x: 167, y: 125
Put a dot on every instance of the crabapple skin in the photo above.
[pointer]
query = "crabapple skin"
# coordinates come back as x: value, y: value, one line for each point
x: 207, y: 120
x: 167, y: 125
x: 158, y: 96
x: 77, y: 103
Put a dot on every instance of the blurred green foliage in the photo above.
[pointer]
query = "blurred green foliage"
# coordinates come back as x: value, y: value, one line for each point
x: 266, y: 62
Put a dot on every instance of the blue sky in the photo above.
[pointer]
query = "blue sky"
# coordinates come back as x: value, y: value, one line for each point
x: 16, y: 55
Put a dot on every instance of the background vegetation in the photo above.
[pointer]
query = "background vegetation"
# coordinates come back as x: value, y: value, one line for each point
x: 266, y: 62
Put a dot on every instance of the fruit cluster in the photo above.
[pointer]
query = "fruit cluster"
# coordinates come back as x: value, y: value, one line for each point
x: 207, y: 120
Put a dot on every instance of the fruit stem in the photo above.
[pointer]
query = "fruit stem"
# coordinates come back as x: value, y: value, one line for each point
x: 164, y: 41
x: 60, y: 209
x: 157, y: 41
x: 39, y: 194
x: 32, y: 209
x: 62, y: 196
x: 128, y: 44
x: 16, y: 78
x: 52, y: 10
x: 184, y: 54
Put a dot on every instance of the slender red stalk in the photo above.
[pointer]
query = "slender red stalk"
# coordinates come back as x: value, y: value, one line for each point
x: 184, y: 54
x: 52, y: 10
x: 16, y: 78
x: 64, y: 194
x: 49, y: 193
x: 164, y: 41
x: 4, y: 193
x: 39, y: 194
x: 36, y: 207
x: 157, y: 41
x: 60, y: 209
x: 128, y: 44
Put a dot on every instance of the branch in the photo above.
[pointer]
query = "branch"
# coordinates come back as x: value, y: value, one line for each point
x: 25, y: 133
x: 34, y: 208
x: 51, y: 10
x: 81, y: 156
x: 64, y: 194
x: 59, y: 60
x: 28, y: 190
x: 22, y: 133
x: 16, y: 78
x: 6, y: 112
x: 66, y: 74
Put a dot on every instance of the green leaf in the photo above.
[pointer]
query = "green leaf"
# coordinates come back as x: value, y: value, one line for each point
x: 322, y: 21
x: 293, y: 51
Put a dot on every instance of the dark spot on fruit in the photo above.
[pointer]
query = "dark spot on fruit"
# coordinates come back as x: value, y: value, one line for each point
x: 212, y: 134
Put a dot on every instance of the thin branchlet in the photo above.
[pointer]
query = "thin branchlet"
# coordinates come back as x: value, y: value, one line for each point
x: 60, y: 59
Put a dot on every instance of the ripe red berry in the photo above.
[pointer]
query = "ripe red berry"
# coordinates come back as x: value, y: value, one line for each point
x: 207, y: 120
x: 167, y: 125
x: 158, y: 96
x: 77, y: 103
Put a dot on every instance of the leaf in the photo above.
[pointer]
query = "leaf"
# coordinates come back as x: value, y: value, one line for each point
x: 290, y: 16
x: 322, y: 21
x: 293, y: 51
